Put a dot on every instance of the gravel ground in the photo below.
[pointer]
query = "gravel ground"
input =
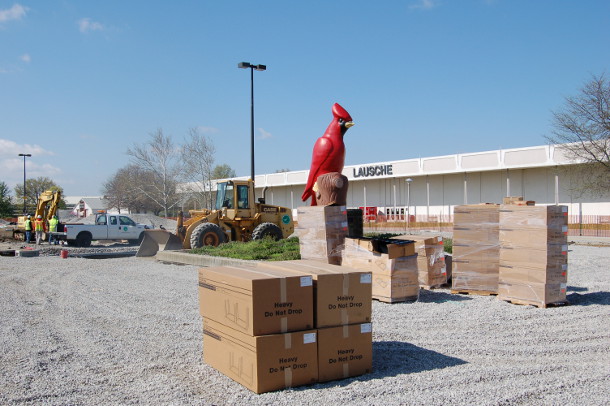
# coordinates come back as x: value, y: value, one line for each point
x: 127, y: 331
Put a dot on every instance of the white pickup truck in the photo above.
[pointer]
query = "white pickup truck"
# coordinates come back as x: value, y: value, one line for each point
x: 106, y: 227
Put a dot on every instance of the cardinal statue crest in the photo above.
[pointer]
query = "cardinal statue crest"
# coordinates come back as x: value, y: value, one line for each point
x: 326, y: 185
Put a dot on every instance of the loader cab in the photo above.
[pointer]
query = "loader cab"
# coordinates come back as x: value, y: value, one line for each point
x: 236, y: 197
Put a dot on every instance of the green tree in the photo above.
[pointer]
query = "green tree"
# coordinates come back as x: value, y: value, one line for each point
x: 582, y: 127
x: 34, y: 187
x: 223, y: 171
x: 6, y: 207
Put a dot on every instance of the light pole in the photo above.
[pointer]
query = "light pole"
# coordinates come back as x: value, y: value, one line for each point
x: 245, y: 65
x: 24, y: 194
x: 408, y: 180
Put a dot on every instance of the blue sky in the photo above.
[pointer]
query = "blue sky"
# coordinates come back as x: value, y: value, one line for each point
x: 82, y: 81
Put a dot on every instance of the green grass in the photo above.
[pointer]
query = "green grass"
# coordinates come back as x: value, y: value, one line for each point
x: 282, y: 250
x: 266, y: 249
x: 448, y: 245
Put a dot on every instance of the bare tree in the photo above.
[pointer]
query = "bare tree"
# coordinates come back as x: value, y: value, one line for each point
x: 122, y: 190
x: 582, y: 128
x: 159, y: 158
x: 198, y: 159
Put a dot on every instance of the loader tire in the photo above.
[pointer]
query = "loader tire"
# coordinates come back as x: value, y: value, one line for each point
x: 207, y: 234
x: 267, y: 230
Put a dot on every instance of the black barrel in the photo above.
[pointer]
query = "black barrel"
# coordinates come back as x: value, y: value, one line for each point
x: 354, y: 223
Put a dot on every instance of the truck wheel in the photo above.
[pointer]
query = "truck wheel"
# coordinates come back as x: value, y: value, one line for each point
x: 83, y: 239
x: 207, y: 234
x: 267, y: 230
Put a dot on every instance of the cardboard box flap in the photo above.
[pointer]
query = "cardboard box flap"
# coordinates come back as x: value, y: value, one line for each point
x: 241, y: 277
x: 393, y: 247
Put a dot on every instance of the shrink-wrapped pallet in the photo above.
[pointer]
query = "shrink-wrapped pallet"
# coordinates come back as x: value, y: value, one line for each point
x: 533, y: 266
x: 322, y: 231
x: 476, y: 249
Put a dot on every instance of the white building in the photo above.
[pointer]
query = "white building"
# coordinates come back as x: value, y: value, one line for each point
x: 437, y: 184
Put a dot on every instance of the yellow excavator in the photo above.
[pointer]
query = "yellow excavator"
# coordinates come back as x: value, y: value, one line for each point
x: 236, y: 217
x: 48, y: 203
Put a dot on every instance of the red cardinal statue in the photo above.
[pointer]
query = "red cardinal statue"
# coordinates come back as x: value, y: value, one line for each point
x: 329, y: 151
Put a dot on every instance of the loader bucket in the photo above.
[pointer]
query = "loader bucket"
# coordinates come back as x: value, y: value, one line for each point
x: 155, y: 240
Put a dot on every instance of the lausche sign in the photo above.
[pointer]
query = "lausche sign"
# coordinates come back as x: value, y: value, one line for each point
x: 373, y: 170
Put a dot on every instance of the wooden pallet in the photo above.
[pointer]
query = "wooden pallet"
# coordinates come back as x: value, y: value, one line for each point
x: 409, y: 299
x: 532, y: 303
x: 473, y: 292
x: 431, y: 287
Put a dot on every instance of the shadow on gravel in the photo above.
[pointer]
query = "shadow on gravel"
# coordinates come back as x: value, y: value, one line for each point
x: 392, y: 358
x: 586, y: 299
x: 432, y: 296
x: 577, y: 289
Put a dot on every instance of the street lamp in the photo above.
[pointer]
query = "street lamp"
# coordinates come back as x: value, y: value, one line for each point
x: 24, y: 155
x: 409, y: 180
x: 245, y: 65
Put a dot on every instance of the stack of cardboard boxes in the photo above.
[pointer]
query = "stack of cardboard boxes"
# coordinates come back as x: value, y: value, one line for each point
x: 533, y: 254
x: 342, y: 316
x: 430, y: 259
x: 476, y: 249
x: 393, y: 264
x: 322, y: 231
x: 278, y: 325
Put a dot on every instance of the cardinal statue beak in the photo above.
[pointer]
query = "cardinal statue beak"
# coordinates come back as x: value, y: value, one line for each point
x: 349, y: 124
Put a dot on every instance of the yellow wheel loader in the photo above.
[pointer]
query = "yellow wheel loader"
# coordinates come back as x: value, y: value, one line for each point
x: 237, y: 217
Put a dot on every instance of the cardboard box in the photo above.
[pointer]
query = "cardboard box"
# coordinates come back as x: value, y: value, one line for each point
x: 398, y: 287
x: 554, y: 255
x: 425, y: 245
x: 256, y: 301
x: 475, y: 275
x: 519, y: 274
x: 342, y: 295
x: 476, y: 215
x: 511, y: 199
x: 359, y: 257
x: 473, y: 235
x: 430, y: 259
x: 262, y: 363
x: 322, y: 231
x: 535, y: 238
x: 312, y: 216
x: 540, y: 294
x: 393, y: 247
x: 476, y: 252
x: 434, y: 275
x: 517, y: 200
x: 345, y: 351
x: 533, y: 216
x: 394, y: 279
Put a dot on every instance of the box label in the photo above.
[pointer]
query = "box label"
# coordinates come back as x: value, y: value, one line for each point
x: 366, y: 328
x: 366, y: 278
x: 306, y: 281
x: 309, y: 338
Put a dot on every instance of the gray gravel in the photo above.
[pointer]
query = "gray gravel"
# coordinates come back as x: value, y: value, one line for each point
x: 127, y: 331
